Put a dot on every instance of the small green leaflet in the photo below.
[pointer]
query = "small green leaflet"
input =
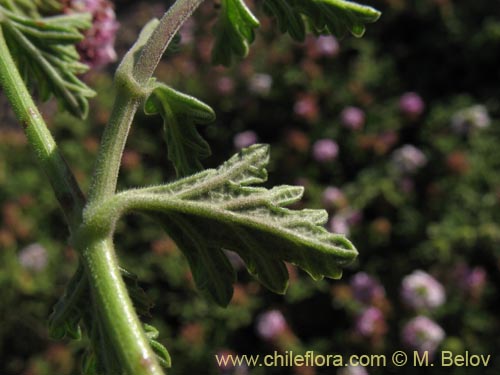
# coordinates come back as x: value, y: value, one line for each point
x: 181, y: 113
x: 289, y: 20
x: 337, y: 16
x: 219, y: 209
x: 234, y: 31
x: 44, y: 50
x: 161, y: 352
x: 323, y: 16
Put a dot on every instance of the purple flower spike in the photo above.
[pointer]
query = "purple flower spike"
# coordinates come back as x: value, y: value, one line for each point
x: 423, y: 335
x: 352, y: 118
x: 421, y: 291
x: 325, y: 150
x: 411, y: 105
x: 271, y: 324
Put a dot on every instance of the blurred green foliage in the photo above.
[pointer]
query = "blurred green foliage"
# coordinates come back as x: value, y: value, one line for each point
x: 438, y: 218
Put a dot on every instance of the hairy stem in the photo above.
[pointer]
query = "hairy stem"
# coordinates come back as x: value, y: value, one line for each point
x: 118, y: 318
x: 112, y: 145
x: 155, y: 47
x: 129, y: 98
x: 47, y: 153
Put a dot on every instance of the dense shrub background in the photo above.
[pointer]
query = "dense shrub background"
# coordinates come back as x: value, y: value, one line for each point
x: 442, y: 217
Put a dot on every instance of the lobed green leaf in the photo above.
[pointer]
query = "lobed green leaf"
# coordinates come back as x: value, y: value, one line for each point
x: 234, y: 31
x: 181, y: 113
x: 218, y: 209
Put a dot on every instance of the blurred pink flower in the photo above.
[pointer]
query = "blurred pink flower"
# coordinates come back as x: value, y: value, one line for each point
x: 352, y: 118
x: 411, y: 105
x: 325, y: 150
x: 97, y: 47
x: 33, y: 257
x: 371, y: 322
x: 365, y: 288
x: 338, y: 224
x: 271, y: 324
x: 261, y: 83
x: 322, y: 46
x: 420, y: 290
x: 307, y: 107
x: 245, y: 139
x: 332, y: 196
x: 423, y: 335
x: 471, y: 280
x: 327, y: 45
x: 224, y: 85
x: 408, y: 159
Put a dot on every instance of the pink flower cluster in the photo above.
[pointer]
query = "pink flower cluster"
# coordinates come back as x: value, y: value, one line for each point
x: 97, y: 48
x: 420, y: 290
x: 411, y: 105
x: 245, y: 139
x: 271, y: 324
x: 370, y: 322
x: 325, y: 150
x: 352, y: 118
x: 33, y: 257
x: 366, y: 289
x: 423, y: 335
x: 408, y: 159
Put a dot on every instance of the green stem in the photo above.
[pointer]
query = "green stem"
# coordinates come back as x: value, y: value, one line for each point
x: 155, y: 47
x: 109, y: 294
x: 113, y: 142
x: 129, y: 97
x: 66, y: 189
x: 116, y: 312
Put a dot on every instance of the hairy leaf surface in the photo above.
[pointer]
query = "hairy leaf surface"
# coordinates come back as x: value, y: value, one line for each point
x: 219, y: 209
x: 181, y: 113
